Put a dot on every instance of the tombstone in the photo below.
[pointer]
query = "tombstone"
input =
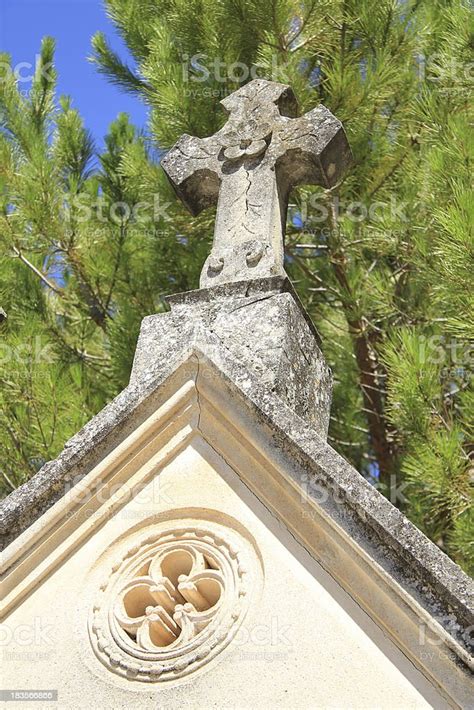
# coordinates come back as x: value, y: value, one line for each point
x: 198, y: 543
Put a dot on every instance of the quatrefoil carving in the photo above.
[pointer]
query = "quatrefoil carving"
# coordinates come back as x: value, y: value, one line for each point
x: 174, y: 602
x: 173, y: 599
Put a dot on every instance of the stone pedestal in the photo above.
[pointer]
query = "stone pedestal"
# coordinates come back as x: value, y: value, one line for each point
x: 285, y: 355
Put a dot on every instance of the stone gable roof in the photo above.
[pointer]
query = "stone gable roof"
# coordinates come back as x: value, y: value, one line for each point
x: 271, y: 408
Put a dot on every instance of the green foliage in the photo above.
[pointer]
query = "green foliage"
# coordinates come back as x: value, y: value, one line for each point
x: 432, y: 422
x: 382, y: 262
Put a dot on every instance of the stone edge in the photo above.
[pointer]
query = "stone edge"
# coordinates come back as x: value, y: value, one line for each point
x: 440, y: 581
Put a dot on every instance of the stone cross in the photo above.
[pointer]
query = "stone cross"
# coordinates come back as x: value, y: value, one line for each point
x: 249, y: 168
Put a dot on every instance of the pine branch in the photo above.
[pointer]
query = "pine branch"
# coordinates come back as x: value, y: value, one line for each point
x: 388, y: 174
x: 8, y: 481
x: 110, y: 65
x: 37, y: 272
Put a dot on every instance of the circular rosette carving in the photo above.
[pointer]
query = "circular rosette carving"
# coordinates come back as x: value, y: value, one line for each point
x: 171, y: 603
x: 245, y: 149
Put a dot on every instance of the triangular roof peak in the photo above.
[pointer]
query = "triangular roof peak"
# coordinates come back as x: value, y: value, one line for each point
x: 194, y: 375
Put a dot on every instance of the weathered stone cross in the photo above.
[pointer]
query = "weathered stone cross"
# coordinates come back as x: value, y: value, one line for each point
x: 249, y: 168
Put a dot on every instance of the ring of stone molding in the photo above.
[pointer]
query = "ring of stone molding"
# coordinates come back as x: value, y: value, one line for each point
x: 116, y: 649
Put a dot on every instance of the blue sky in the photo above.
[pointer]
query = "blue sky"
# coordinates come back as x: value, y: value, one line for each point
x: 72, y: 23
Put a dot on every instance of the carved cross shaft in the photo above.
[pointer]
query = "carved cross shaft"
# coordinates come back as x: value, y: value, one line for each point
x: 249, y: 168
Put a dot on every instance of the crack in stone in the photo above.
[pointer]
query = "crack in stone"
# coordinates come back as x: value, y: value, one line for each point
x: 249, y: 303
x: 195, y: 157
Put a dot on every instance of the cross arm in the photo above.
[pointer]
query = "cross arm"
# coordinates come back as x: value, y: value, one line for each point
x: 313, y: 150
x: 194, y: 172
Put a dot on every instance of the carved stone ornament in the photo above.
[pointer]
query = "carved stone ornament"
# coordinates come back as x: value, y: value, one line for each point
x: 172, y: 602
x: 249, y: 168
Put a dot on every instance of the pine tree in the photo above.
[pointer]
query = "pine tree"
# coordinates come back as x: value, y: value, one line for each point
x: 83, y: 261
x: 382, y: 262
